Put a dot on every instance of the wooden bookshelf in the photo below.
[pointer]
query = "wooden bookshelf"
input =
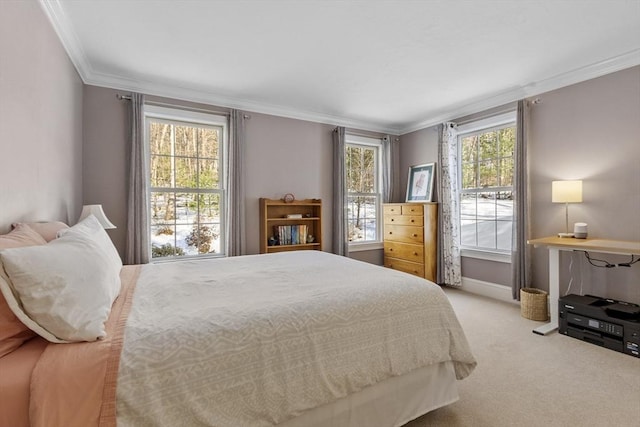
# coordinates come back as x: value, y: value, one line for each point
x: 274, y: 221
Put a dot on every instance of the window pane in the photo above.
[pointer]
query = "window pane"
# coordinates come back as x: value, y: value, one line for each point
x: 361, y: 215
x: 201, y: 238
x: 360, y: 169
x: 504, y: 230
x: 182, y: 233
x: 186, y: 208
x: 209, y: 207
x: 488, y: 174
x: 506, y: 172
x: 488, y: 146
x: 186, y: 141
x: 507, y: 139
x: 208, y: 142
x: 160, y: 171
x: 470, y: 149
x: 487, y: 234
x: 162, y: 207
x: 469, y: 175
x: 468, y: 208
x: 160, y: 138
x: 486, y: 205
x: 208, y: 177
x: 186, y: 172
x: 468, y: 232
x: 504, y: 205
x: 163, y: 241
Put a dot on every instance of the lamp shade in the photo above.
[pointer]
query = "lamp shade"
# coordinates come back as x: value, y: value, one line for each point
x: 97, y: 211
x: 566, y: 192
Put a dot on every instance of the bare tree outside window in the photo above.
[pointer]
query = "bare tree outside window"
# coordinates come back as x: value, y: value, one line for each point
x: 486, y: 205
x: 362, y: 192
x: 186, y: 189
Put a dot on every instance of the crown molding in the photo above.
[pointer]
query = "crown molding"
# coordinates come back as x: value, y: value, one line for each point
x: 578, y: 75
x: 209, y: 98
x: 73, y: 46
x: 69, y: 39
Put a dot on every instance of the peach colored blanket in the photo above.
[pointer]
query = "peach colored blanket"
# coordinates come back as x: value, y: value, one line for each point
x: 75, y: 384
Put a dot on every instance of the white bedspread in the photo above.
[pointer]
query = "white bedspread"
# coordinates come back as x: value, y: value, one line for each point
x: 256, y: 340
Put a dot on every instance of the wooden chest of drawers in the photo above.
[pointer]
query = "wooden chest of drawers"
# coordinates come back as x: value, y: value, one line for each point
x: 410, y: 238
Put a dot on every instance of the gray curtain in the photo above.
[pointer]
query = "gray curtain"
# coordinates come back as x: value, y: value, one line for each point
x: 137, y: 245
x: 520, y: 255
x: 388, y: 169
x: 340, y: 225
x: 235, y: 240
x: 449, y: 270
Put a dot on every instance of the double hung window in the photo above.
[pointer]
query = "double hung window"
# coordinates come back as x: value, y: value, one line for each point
x: 186, y: 191
x: 486, y: 160
x: 363, y: 174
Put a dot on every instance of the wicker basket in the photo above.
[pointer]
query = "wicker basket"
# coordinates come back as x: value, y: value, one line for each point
x: 533, y: 304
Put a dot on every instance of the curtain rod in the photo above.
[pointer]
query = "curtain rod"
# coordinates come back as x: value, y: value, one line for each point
x: 181, y: 107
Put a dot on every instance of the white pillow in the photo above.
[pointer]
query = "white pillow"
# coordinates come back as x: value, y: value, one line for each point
x: 90, y: 226
x: 64, y: 290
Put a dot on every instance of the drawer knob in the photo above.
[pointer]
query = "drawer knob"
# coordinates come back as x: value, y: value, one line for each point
x: 415, y: 253
x: 415, y: 235
x: 391, y: 232
x: 413, y: 220
x: 390, y: 249
x: 392, y: 219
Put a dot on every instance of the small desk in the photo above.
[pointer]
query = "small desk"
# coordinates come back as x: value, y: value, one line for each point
x: 557, y: 244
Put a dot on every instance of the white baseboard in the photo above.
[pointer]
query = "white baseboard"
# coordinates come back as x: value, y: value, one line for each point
x: 487, y: 289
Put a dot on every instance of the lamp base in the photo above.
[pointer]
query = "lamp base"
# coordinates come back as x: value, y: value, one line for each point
x: 566, y: 235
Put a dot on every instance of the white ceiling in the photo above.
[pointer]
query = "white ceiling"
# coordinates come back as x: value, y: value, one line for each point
x: 390, y: 66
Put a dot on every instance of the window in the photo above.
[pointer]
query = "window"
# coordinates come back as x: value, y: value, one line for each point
x: 363, y: 159
x: 186, y: 186
x: 486, y: 181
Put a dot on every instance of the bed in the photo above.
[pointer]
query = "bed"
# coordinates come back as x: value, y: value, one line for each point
x: 296, y: 339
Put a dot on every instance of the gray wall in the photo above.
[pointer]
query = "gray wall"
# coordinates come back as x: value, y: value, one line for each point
x: 282, y: 156
x: 588, y: 131
x: 40, y: 120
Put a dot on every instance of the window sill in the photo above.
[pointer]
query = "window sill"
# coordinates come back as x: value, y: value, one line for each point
x: 357, y: 247
x: 486, y: 255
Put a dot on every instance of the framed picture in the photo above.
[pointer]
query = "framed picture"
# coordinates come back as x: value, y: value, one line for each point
x: 420, y: 183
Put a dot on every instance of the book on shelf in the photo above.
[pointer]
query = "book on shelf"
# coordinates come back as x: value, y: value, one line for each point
x: 291, y: 234
x: 294, y: 216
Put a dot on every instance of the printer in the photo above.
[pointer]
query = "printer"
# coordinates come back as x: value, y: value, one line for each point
x: 605, y: 322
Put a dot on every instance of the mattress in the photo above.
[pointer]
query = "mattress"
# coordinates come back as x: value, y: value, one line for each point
x: 295, y: 339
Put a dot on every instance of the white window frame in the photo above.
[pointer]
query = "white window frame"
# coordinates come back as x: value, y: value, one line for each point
x: 157, y: 112
x: 480, y: 126
x: 355, y: 140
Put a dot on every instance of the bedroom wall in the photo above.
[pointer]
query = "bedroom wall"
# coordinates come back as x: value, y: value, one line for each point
x: 588, y: 131
x: 282, y: 156
x: 40, y: 120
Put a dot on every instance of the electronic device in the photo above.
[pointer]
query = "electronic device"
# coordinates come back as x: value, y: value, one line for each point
x: 605, y: 322
x: 580, y: 230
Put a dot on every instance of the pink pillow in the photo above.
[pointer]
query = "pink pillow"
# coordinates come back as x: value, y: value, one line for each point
x: 22, y: 235
x: 48, y: 230
x: 12, y: 331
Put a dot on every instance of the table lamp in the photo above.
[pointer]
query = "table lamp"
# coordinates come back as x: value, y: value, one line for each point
x: 566, y: 192
x: 97, y: 211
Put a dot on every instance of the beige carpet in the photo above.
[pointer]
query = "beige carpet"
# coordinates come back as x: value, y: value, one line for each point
x: 524, y: 379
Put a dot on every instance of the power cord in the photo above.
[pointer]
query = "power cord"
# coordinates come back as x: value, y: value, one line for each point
x: 601, y: 263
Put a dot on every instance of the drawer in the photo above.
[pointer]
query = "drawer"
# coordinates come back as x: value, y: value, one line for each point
x: 413, y: 209
x: 403, y: 220
x: 405, y: 251
x: 405, y: 266
x: 403, y: 233
x: 392, y: 209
